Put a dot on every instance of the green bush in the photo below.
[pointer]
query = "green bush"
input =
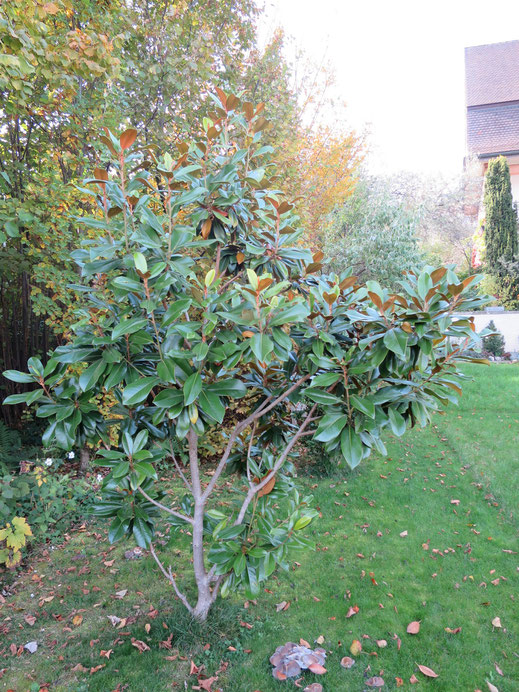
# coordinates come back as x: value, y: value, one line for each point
x: 49, y: 501
x: 200, y: 294
x: 494, y: 344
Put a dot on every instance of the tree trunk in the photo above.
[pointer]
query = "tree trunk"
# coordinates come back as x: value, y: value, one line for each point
x: 202, y: 578
x: 84, y: 461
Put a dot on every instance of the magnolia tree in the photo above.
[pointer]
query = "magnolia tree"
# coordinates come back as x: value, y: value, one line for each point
x: 195, y: 293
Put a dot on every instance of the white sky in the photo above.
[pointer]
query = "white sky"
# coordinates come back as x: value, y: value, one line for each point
x: 400, y: 67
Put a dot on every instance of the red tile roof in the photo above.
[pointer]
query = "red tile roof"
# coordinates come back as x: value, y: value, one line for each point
x: 492, y: 73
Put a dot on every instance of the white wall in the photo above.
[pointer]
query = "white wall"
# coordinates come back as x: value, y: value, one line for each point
x: 506, y: 322
x: 515, y: 188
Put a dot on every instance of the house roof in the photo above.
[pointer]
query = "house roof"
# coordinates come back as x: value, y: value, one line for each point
x: 493, y: 129
x: 492, y: 73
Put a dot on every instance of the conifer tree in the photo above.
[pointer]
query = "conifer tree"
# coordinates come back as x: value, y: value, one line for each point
x: 501, y: 217
x: 494, y: 343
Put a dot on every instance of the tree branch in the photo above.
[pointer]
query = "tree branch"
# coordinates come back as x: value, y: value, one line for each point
x: 179, y: 515
x: 253, y: 490
x: 260, y: 411
x: 177, y: 466
x: 169, y: 576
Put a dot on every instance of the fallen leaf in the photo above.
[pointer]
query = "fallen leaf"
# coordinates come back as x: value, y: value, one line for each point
x: 317, y: 668
x: 206, y: 684
x: 491, y: 687
x: 454, y: 631
x: 427, y: 671
x: 356, y: 647
x: 376, y: 681
x: 347, y: 662
x: 399, y: 682
x: 320, y: 639
x: 96, y: 668
x: 79, y: 668
x: 413, y: 627
x: 403, y: 534
x: 138, y: 644
x: 498, y: 669
x: 31, y: 647
x: 313, y: 687
x: 496, y: 622
x: 77, y: 620
x: 352, y: 610
x: 303, y: 642
x: 106, y: 653
x: 413, y: 679
x: 147, y: 627
x: 381, y: 643
x: 121, y: 594
x: 284, y: 605
x: 30, y: 619
x: 455, y: 502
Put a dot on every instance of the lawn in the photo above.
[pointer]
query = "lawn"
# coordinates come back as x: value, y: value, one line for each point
x: 428, y: 534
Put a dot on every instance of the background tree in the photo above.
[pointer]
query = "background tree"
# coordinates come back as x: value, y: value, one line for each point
x: 374, y: 232
x: 500, y: 234
x: 494, y: 343
x: 199, y: 292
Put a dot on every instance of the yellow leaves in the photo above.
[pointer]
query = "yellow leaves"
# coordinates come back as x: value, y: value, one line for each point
x: 77, y: 620
x: 22, y: 526
x: 356, y: 647
x: 14, y: 535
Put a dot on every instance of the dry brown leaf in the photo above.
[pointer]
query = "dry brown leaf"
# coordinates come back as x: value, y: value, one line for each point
x: 206, y: 684
x: 320, y: 639
x: 413, y: 627
x: 303, y: 642
x: 106, y: 653
x: 403, y: 534
x: 147, y: 627
x: 121, y: 594
x: 381, y: 643
x: 79, y: 668
x: 347, y: 662
x: 427, y: 671
x: 77, y: 620
x: 30, y: 619
x: 352, y: 610
x: 454, y: 631
x: 413, y: 679
x: 284, y: 605
x: 317, y: 668
x: 491, y: 687
x: 375, y: 681
x: 498, y: 669
x: 138, y: 644
x: 496, y: 622
x: 96, y: 668
x: 399, y: 682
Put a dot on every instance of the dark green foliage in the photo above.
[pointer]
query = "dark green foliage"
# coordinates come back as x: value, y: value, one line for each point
x: 199, y: 293
x: 501, y: 237
x: 500, y: 216
x: 494, y: 343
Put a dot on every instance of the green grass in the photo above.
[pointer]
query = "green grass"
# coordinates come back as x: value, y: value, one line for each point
x: 469, y: 455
